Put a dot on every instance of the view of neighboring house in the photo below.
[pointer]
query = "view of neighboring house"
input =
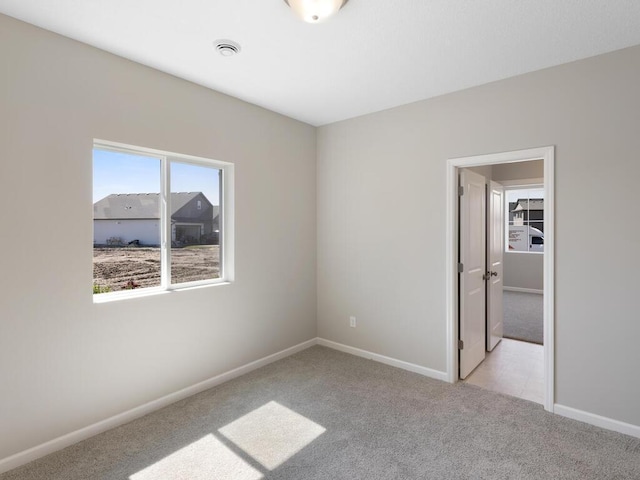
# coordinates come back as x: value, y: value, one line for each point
x: 527, y: 211
x: 121, y: 218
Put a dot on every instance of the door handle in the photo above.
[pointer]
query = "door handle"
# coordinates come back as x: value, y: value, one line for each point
x: 494, y: 274
x: 486, y: 276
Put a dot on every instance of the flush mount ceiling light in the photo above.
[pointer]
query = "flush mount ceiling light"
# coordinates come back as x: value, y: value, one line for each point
x: 315, y: 11
x: 226, y: 48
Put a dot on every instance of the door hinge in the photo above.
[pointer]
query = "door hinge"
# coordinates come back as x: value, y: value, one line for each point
x: 460, y: 344
x: 460, y: 190
x: 460, y: 268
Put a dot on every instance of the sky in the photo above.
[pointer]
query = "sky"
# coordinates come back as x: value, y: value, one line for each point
x: 116, y: 172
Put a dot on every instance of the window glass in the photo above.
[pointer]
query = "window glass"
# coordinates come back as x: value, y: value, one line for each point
x: 195, y: 222
x: 126, y: 221
x: 525, y: 219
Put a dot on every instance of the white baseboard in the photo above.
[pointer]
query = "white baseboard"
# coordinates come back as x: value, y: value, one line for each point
x: 412, y: 367
x: 523, y: 290
x: 597, y: 420
x: 69, y: 439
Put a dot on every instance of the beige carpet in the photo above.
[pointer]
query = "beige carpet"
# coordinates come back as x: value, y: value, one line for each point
x: 322, y: 414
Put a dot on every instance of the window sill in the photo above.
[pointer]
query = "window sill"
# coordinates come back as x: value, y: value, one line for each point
x: 153, y: 291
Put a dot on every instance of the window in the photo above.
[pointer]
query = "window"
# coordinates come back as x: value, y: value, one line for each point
x: 525, y: 219
x: 160, y: 220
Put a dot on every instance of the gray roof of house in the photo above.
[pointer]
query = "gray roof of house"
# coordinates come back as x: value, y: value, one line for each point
x: 124, y: 206
x: 530, y: 204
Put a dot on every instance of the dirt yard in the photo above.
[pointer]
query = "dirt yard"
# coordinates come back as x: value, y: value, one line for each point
x: 113, y: 267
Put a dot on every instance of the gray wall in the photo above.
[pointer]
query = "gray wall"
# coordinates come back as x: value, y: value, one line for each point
x: 65, y: 362
x: 391, y: 165
x: 484, y: 170
x: 518, y: 171
x: 524, y: 270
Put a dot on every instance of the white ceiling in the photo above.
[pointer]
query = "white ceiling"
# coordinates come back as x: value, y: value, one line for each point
x: 373, y: 55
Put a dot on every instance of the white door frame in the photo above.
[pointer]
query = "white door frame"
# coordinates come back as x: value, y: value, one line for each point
x: 453, y: 164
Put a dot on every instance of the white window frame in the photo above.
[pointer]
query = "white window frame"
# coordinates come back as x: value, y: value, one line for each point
x: 532, y: 184
x: 226, y: 222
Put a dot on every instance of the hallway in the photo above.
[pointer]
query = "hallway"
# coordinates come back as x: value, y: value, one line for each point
x: 513, y: 368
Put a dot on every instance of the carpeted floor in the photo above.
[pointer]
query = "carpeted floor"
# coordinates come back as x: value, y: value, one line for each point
x: 523, y: 316
x: 322, y: 414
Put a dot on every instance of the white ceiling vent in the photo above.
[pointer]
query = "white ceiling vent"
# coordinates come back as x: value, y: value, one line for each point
x: 227, y: 48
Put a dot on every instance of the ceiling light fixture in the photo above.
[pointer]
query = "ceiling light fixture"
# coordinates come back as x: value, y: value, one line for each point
x: 315, y: 11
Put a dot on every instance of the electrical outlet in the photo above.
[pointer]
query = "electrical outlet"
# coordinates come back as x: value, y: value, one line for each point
x: 352, y: 322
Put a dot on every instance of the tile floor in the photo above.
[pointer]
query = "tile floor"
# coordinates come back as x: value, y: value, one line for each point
x: 514, y: 368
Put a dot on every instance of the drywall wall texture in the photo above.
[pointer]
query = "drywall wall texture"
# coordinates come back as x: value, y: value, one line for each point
x: 65, y: 362
x: 381, y: 220
x: 484, y: 170
x: 510, y: 172
x: 524, y: 270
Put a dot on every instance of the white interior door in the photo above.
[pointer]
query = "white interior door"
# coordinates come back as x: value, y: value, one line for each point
x: 495, y: 263
x: 472, y: 286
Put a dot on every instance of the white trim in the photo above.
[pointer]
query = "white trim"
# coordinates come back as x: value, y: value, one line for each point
x: 411, y: 367
x: 227, y: 223
x: 549, y: 278
x: 165, y: 223
x: 515, y: 156
x: 453, y: 164
x: 134, y: 149
x: 451, y: 273
x: 517, y: 185
x: 597, y: 420
x: 523, y: 290
x: 64, y: 441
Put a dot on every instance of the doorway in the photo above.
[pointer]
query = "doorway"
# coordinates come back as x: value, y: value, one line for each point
x: 454, y: 167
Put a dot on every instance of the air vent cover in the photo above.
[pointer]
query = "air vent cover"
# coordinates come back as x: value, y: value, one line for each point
x: 227, y: 48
